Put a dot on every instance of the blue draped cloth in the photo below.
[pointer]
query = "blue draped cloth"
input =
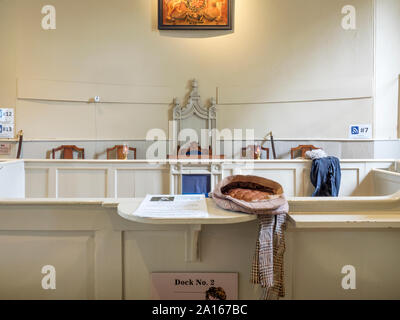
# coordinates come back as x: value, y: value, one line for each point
x: 326, y: 177
x: 196, y: 184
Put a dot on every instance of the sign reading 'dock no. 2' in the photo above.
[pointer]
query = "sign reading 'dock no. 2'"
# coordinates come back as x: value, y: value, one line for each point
x: 194, y: 286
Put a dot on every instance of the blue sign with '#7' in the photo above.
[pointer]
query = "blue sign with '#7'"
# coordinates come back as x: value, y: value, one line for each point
x: 360, y: 132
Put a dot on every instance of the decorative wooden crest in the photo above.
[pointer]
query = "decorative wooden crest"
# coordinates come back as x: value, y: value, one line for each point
x: 194, y: 106
x: 194, y: 115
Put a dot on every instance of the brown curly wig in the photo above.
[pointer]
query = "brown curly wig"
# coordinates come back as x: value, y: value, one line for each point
x: 216, y: 293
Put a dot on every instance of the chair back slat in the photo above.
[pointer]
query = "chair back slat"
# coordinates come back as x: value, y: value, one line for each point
x: 67, y: 152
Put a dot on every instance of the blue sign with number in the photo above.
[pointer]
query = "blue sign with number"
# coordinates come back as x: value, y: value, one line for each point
x: 355, y: 130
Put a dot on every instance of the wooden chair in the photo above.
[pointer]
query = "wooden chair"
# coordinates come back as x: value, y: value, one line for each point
x: 303, y: 149
x: 120, y: 152
x: 195, y: 152
x: 187, y: 152
x: 253, y: 150
x: 67, y: 152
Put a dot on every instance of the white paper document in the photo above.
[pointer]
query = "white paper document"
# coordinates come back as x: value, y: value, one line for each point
x: 173, y: 206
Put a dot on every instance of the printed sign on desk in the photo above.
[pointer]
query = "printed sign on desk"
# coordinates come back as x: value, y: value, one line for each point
x: 360, y: 131
x: 194, y: 286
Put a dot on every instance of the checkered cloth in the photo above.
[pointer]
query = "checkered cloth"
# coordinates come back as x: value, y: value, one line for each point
x: 267, y: 269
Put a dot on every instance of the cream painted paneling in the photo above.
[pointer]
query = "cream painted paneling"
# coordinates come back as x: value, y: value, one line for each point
x: 28, y: 252
x: 385, y: 183
x: 82, y: 183
x: 100, y: 179
x: 351, y: 181
x: 145, y: 253
x: 329, y: 118
x: 37, y: 182
x: 151, y: 182
x: 139, y: 183
x: 125, y: 182
x: 76, y: 239
x: 318, y: 264
x: 97, y: 179
x: 99, y: 255
x: 296, y: 49
x: 307, y: 187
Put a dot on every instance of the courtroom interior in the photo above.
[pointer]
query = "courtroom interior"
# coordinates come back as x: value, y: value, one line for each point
x: 166, y: 149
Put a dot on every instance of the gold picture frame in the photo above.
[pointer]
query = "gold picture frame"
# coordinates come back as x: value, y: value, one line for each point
x: 195, y: 14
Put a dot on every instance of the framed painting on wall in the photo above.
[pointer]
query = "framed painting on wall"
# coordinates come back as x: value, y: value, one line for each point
x: 195, y: 14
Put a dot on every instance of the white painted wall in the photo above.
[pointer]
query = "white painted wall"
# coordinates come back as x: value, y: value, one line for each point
x: 387, y: 68
x: 279, y: 52
x: 8, y: 56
